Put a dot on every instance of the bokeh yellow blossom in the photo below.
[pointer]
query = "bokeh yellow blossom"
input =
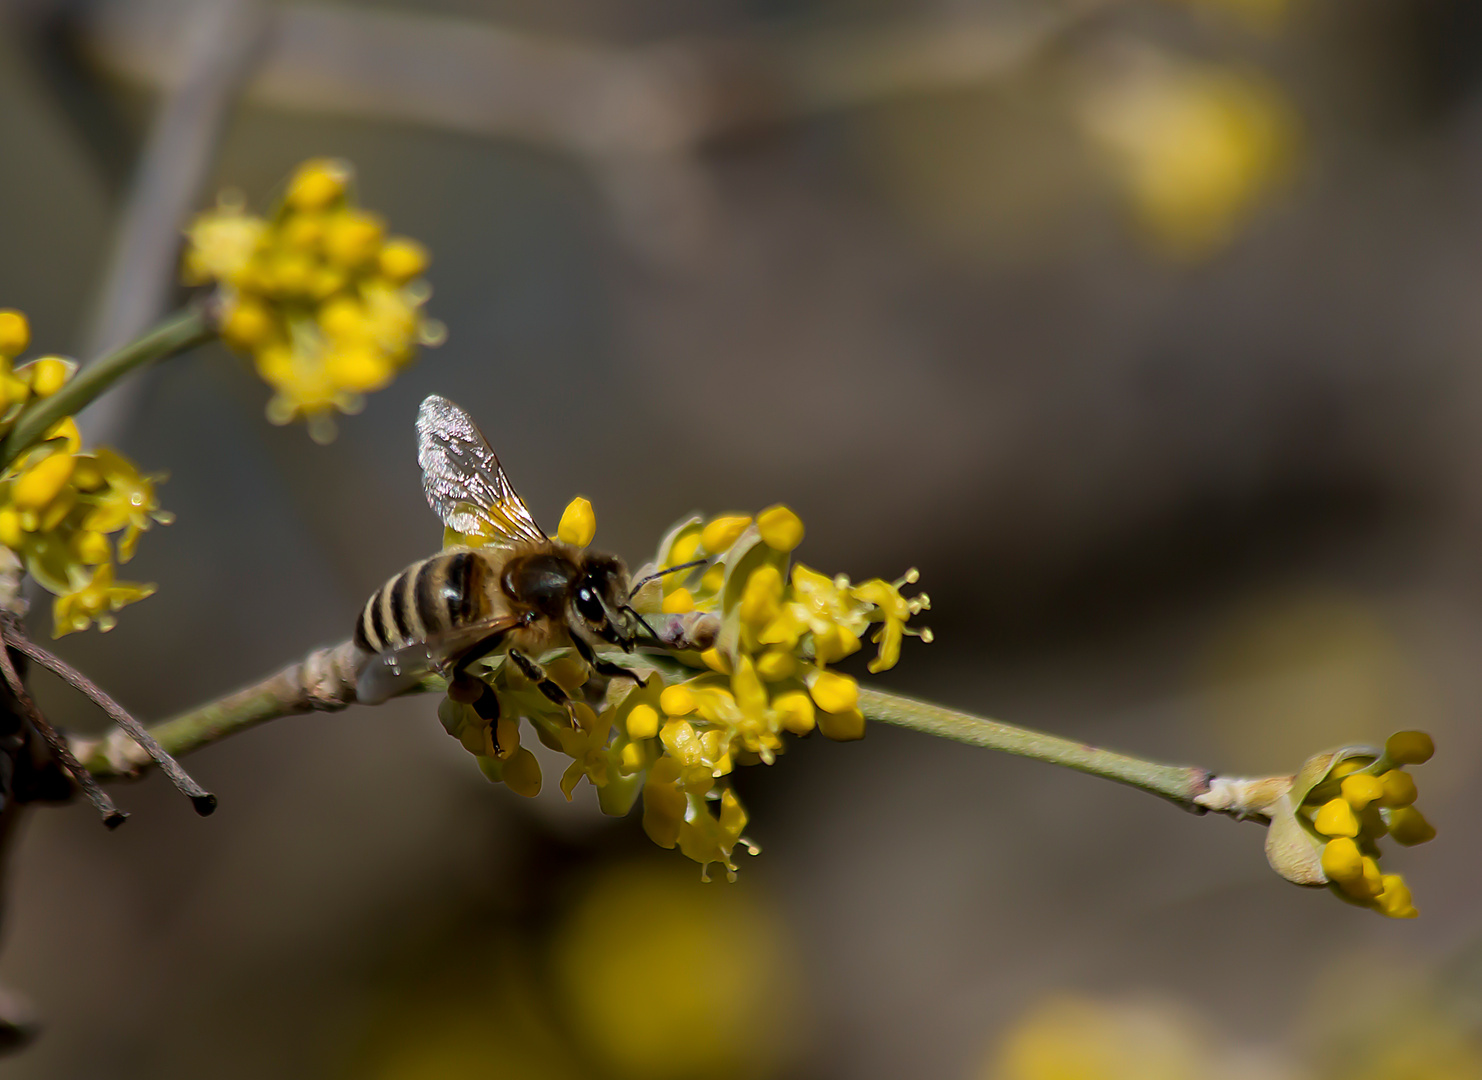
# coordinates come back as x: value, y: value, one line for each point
x: 1198, y: 149
x: 1078, y: 1039
x: 61, y: 506
x: 673, y: 735
x: 632, y: 968
x: 327, y: 305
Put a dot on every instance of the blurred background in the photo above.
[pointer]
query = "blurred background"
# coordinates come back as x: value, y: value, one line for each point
x: 1148, y: 329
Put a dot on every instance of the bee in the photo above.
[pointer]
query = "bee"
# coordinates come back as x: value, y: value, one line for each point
x: 523, y: 593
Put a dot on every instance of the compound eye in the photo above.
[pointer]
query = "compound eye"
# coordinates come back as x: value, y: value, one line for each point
x: 589, y: 606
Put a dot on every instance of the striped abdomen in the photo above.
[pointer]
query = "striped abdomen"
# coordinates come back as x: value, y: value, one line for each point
x: 428, y: 597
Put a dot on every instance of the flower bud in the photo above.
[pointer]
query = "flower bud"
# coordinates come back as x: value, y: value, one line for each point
x: 318, y: 183
x: 1336, y: 818
x: 1410, y: 747
x: 1408, y: 827
x: 15, y: 333
x: 833, y: 692
x: 643, y: 722
x: 781, y: 529
x: 722, y: 532
x: 42, y: 482
x: 578, y: 523
x: 678, y: 700
x: 1360, y: 789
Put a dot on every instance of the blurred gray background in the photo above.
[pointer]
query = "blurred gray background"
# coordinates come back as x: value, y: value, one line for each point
x: 1220, y: 510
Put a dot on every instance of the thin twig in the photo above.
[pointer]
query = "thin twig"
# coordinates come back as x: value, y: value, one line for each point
x: 586, y: 96
x: 325, y: 680
x: 202, y: 799
x: 181, y: 331
x: 1181, y: 784
x: 639, y: 117
x: 113, y: 817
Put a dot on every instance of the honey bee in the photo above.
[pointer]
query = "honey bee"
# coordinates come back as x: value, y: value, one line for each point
x: 523, y: 593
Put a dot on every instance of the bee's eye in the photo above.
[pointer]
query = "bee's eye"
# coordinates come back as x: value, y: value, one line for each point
x: 589, y: 606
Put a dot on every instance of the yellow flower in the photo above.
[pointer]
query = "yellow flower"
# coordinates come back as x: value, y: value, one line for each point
x: 127, y: 501
x: 709, y: 838
x: 664, y: 803
x: 327, y: 307
x: 585, y: 745
x: 95, y: 602
x: 892, y: 610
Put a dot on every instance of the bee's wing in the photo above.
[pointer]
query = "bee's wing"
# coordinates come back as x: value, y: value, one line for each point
x: 396, y: 671
x: 465, y: 484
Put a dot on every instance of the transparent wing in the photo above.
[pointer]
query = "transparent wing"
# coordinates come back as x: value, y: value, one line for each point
x: 465, y: 484
x: 396, y: 671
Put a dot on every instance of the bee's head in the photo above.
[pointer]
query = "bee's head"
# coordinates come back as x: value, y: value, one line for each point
x: 599, y: 601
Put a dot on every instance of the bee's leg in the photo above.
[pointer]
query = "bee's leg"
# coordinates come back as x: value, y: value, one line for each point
x: 478, y: 652
x: 605, y: 668
x: 487, y: 706
x: 543, y: 682
x: 467, y: 689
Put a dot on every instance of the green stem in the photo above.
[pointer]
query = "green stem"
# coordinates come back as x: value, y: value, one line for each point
x: 180, y: 331
x: 1177, y: 783
x: 325, y: 680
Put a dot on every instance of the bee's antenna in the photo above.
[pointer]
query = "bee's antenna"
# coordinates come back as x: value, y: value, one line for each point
x: 634, y: 612
x: 663, y: 573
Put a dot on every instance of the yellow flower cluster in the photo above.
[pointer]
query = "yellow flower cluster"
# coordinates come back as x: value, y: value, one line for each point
x: 328, y: 306
x: 59, y: 505
x: 675, y: 735
x: 1363, y: 798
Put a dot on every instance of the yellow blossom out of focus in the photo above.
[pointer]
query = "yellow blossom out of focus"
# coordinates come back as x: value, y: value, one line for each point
x: 326, y: 304
x: 1197, y: 149
x: 60, y: 506
x: 1074, y: 1039
x: 672, y: 738
x: 633, y: 968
